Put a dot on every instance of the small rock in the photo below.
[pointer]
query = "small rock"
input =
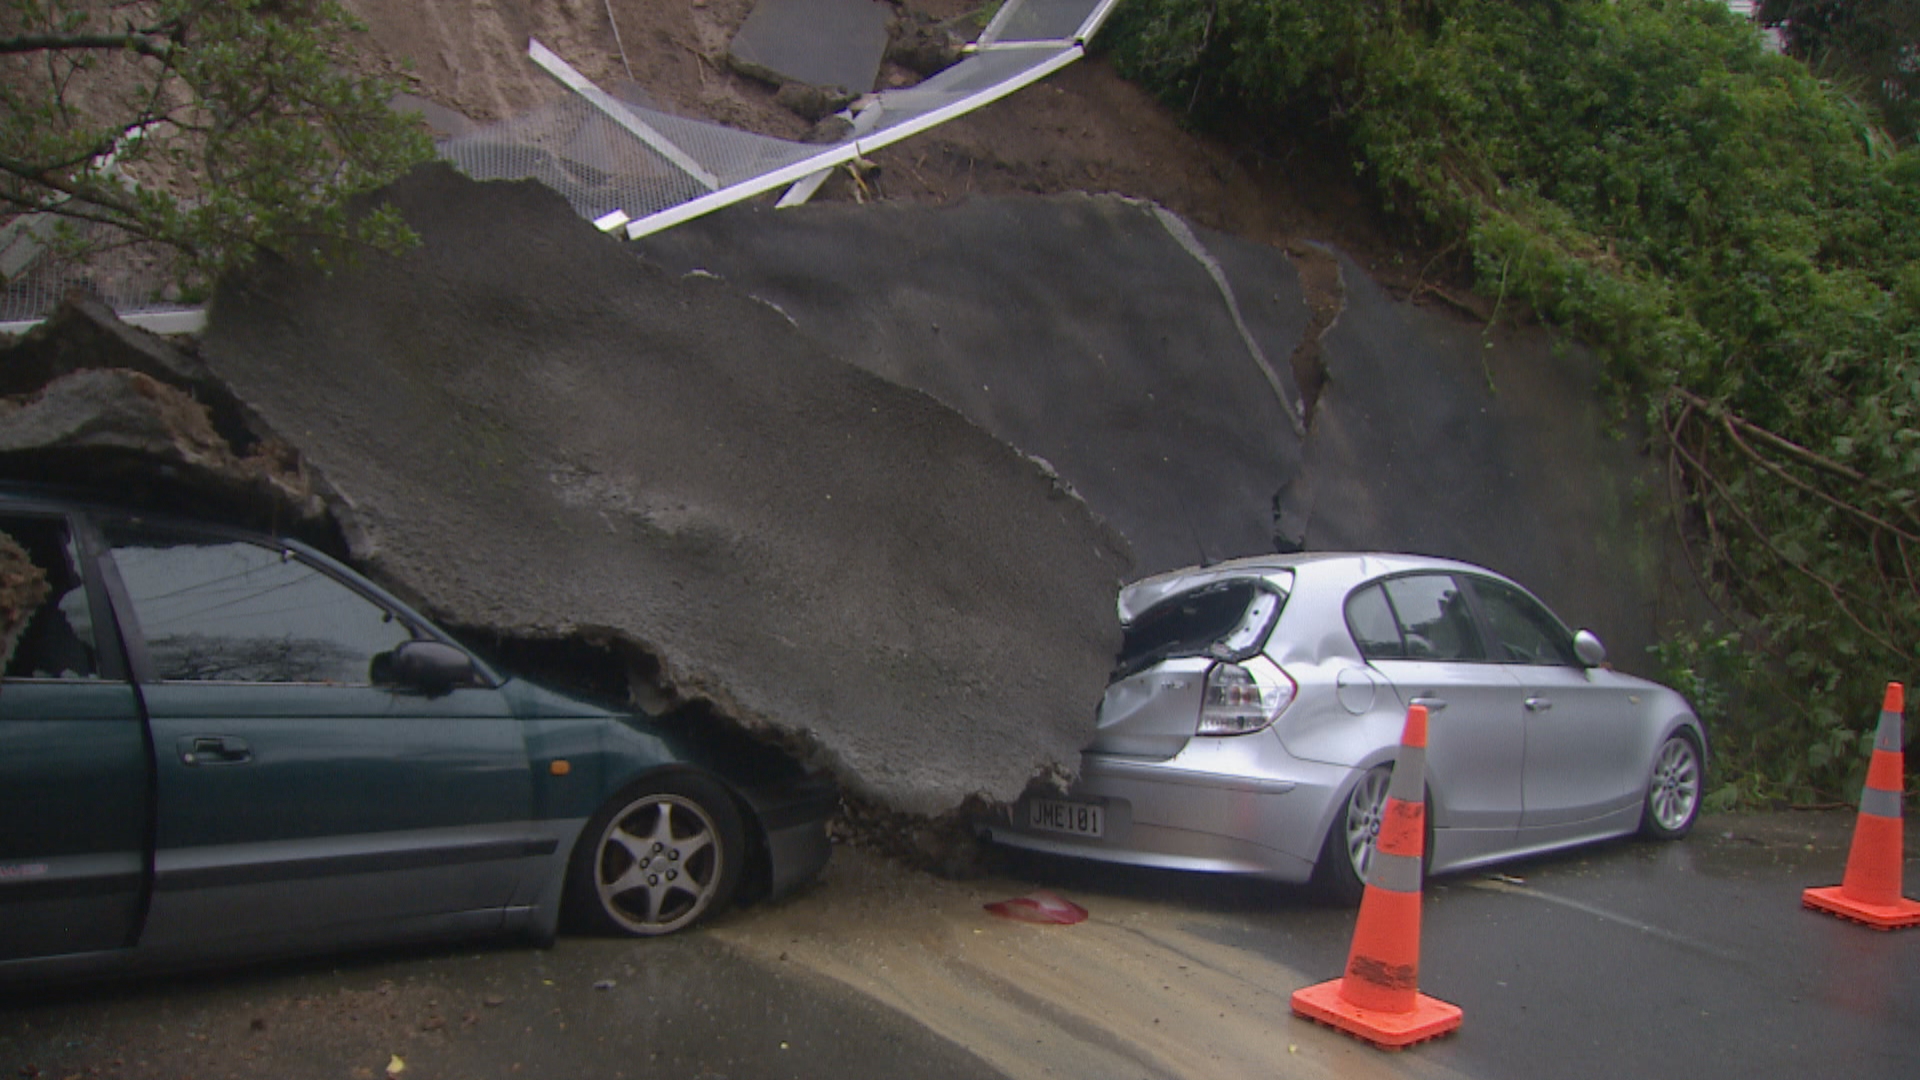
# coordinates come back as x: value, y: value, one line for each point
x: 828, y: 130
x: 603, y: 984
x: 811, y: 103
x: 923, y: 46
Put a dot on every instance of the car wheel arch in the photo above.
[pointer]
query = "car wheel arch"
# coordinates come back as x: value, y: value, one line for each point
x: 1679, y: 723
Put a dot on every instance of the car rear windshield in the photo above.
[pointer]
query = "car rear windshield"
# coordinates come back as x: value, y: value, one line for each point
x: 1226, y: 619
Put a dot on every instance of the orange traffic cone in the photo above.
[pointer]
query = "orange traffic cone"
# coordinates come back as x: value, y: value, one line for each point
x: 1870, y: 892
x: 1378, y: 1000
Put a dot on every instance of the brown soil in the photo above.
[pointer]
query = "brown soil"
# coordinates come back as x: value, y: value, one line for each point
x: 1084, y: 129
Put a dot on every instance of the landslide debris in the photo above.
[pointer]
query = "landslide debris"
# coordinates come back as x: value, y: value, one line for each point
x: 526, y: 429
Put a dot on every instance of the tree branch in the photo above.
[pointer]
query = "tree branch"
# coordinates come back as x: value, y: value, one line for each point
x: 85, y: 193
x: 159, y: 48
x: 133, y: 227
x: 1832, y: 589
x: 1734, y: 425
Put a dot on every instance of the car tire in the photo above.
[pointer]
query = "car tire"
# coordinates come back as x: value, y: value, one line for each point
x: 1340, y: 874
x: 657, y: 858
x: 1675, y: 785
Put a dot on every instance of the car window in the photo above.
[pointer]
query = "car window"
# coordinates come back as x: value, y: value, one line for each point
x: 1228, y: 619
x: 1523, y: 631
x: 1371, y: 620
x: 1433, y: 618
x: 229, y: 610
x: 57, y: 640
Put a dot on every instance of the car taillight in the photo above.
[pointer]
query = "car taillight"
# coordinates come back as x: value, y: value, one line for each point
x: 1236, y: 703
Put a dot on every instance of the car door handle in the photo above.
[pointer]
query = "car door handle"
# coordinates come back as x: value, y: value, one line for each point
x: 213, y: 750
x: 1429, y: 702
x: 1538, y: 704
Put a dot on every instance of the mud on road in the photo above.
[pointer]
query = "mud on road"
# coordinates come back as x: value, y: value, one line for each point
x: 877, y: 970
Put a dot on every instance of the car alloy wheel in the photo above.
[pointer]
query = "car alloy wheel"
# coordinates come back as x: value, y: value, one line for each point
x: 1366, y: 808
x: 1673, y: 791
x: 661, y: 856
x: 1341, y: 874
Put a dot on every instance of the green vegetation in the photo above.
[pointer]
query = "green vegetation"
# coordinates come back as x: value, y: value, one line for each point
x: 1871, y: 48
x: 214, y: 128
x: 1738, y: 238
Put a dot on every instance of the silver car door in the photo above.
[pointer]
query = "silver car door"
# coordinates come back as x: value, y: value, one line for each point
x: 1582, y: 760
x: 1434, y: 656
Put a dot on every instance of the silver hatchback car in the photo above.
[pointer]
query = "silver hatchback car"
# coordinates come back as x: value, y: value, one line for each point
x: 1253, y: 719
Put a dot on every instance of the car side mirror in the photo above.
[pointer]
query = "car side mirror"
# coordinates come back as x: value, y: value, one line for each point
x: 430, y: 667
x: 1588, y: 649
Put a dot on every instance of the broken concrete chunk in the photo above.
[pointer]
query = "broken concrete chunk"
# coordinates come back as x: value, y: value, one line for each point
x: 84, y: 333
x: 94, y: 403
x: 532, y: 430
x: 813, y: 42
x: 117, y: 411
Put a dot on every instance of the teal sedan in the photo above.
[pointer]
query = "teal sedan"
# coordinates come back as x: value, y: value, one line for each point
x: 217, y: 746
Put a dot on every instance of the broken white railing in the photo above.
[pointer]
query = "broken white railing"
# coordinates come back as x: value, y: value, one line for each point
x: 622, y: 164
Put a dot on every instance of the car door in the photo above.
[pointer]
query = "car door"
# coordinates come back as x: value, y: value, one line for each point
x: 1581, y: 761
x: 1418, y: 631
x: 74, y: 782
x: 298, y: 802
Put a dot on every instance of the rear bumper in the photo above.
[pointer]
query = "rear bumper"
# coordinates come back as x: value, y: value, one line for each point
x: 1172, y: 816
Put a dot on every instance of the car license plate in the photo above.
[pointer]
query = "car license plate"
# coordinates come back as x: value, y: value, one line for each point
x: 1056, y: 815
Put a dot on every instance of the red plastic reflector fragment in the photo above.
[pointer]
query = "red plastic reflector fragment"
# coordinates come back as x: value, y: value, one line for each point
x: 1040, y: 907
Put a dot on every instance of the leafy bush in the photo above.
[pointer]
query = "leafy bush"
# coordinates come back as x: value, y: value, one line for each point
x: 1739, y: 240
x: 1871, y: 44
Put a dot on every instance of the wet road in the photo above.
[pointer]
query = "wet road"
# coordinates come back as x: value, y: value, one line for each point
x: 683, y: 1007
x: 1629, y: 960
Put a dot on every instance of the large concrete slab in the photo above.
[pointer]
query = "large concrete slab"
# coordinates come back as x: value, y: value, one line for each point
x: 1090, y: 332
x: 817, y: 42
x: 1079, y: 328
x: 531, y: 431
x: 1443, y: 437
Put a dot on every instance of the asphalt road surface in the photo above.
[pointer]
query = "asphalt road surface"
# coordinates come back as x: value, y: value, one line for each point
x: 1627, y: 960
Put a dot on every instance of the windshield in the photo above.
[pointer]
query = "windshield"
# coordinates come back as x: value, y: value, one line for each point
x: 1227, y: 619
